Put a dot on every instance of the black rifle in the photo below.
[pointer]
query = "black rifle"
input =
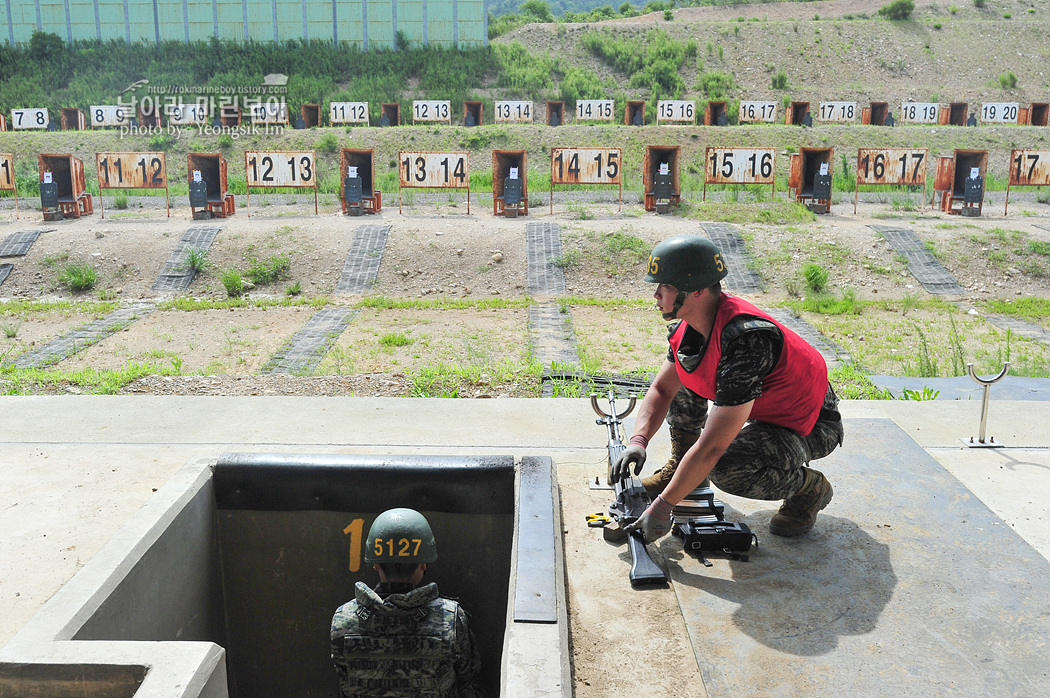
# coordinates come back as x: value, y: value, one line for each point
x: 631, y: 499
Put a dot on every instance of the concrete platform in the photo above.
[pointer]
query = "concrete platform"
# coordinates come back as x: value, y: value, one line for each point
x: 931, y: 562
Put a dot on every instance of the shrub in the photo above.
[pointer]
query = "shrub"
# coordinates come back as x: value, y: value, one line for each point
x: 273, y: 269
x: 328, y: 144
x: 196, y: 259
x: 669, y: 15
x: 816, y: 277
x: 78, y: 277
x: 1008, y: 80
x: 898, y: 9
x: 232, y: 282
x: 120, y: 201
x: 780, y: 80
x: 716, y: 84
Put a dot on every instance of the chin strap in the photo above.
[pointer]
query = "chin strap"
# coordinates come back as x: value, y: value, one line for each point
x: 678, y: 301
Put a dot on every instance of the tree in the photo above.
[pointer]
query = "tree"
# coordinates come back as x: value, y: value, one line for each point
x: 898, y: 9
x: 538, y: 9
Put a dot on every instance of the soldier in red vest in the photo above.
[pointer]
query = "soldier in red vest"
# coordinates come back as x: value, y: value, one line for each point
x: 773, y: 409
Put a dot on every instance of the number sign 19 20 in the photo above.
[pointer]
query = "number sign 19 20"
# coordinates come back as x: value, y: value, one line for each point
x: 740, y: 165
x: 108, y: 116
x: 22, y: 119
x: 920, y: 112
x: 131, y: 170
x: 896, y: 166
x: 840, y: 112
x: 7, y: 172
x: 1030, y: 167
x: 512, y: 111
x: 348, y: 113
x: 594, y: 110
x: 999, y: 113
x: 676, y: 110
x: 753, y: 111
x: 585, y: 166
x: 280, y: 168
x: 431, y: 110
x: 434, y: 170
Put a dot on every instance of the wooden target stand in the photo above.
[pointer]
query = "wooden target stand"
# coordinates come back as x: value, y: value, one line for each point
x: 904, y: 167
x: 427, y: 170
x: 7, y: 177
x: 586, y: 166
x: 132, y: 171
x: 1028, y: 168
x: 280, y: 169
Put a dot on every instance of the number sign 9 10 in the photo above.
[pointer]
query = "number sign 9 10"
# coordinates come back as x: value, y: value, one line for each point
x: 999, y: 113
x: 434, y: 170
x: 896, y: 166
x: 131, y: 170
x: 765, y: 112
x: 740, y: 165
x: 676, y: 110
x: 29, y: 118
x: 279, y: 168
x: 585, y: 166
x: 431, y: 110
x: 1030, y: 167
x: 841, y: 112
x: 594, y: 110
x: 7, y: 172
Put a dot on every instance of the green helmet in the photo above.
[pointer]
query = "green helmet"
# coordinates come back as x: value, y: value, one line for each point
x: 400, y: 535
x: 687, y: 262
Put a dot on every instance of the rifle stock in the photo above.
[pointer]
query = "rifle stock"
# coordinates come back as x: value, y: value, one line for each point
x: 631, y: 499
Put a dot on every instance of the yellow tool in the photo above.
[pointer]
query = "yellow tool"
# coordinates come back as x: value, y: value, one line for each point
x: 598, y: 520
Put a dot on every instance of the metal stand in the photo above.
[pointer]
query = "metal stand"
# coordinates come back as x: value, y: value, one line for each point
x: 980, y: 443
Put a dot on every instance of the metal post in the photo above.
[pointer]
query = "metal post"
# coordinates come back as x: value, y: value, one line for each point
x: 987, y: 384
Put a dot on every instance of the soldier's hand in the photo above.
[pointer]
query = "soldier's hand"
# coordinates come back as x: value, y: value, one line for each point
x: 632, y: 455
x: 654, y: 522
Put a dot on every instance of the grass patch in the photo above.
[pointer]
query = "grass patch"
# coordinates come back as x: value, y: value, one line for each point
x: 78, y: 277
x: 386, y: 303
x: 852, y: 383
x: 773, y: 213
x: 30, y: 381
x: 1036, y: 309
x: 192, y: 304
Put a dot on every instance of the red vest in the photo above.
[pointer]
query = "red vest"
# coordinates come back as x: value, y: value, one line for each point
x: 792, y: 392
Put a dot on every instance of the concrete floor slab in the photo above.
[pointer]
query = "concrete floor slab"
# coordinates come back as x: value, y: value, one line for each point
x: 908, y: 585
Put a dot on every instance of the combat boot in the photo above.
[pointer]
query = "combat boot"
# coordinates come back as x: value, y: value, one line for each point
x: 681, y: 441
x: 799, y: 511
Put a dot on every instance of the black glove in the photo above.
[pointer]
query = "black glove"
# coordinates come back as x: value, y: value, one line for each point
x: 633, y: 454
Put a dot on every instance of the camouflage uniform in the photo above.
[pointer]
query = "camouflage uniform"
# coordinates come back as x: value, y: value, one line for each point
x: 404, y: 645
x: 764, y: 461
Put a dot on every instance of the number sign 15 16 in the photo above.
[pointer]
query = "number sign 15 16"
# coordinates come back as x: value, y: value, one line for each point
x: 131, y: 170
x: 280, y: 169
x: 676, y: 110
x: 740, y: 166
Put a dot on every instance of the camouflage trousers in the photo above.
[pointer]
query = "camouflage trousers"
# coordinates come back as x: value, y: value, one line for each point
x: 764, y: 461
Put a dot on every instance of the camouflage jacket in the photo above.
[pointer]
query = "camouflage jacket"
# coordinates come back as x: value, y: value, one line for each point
x: 404, y: 646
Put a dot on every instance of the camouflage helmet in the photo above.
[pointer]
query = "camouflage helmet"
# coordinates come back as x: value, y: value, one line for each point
x: 687, y: 262
x: 400, y: 536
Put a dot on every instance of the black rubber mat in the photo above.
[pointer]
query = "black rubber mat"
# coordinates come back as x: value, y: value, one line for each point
x: 741, y: 277
x: 176, y: 275
x: 362, y: 261
x: 18, y: 244
x: 309, y: 345
x: 543, y: 248
x: 921, y: 262
x: 70, y: 343
x: 5, y: 271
